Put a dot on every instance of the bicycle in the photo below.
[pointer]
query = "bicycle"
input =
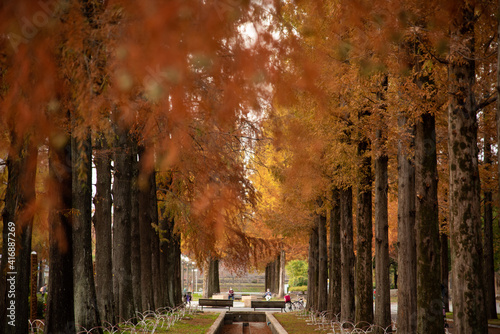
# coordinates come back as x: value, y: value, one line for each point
x: 298, y: 304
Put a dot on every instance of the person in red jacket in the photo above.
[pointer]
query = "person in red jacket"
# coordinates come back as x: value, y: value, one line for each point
x: 288, y: 302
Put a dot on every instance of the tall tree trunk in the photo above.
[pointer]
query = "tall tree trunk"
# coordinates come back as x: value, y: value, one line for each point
x: 86, y: 311
x: 165, y: 249
x: 266, y: 277
x: 322, y: 292
x: 489, y: 252
x: 277, y: 266
x: 281, y: 291
x: 312, y: 273
x: 383, y: 288
x: 60, y: 316
x: 169, y: 257
x: 215, y: 278
x: 271, y: 276
x: 429, y: 303
x: 347, y: 255
x: 364, y: 278
x: 155, y: 269
x: 335, y: 263
x: 146, y: 232
x: 272, y: 267
x: 395, y: 268
x: 382, y: 261
x: 122, y: 229
x: 444, y: 270
x: 165, y: 233
x: 465, y: 212
x: 211, y: 278
x: 155, y: 242
x: 407, y: 256
x: 135, y: 230
x: 207, y: 290
x: 17, y: 233
x: 87, y: 307
x: 103, y: 240
x: 498, y: 106
x: 176, y: 265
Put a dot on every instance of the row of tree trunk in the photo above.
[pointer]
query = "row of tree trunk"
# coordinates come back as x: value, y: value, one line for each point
x: 272, y: 275
x: 128, y: 279
x: 423, y: 249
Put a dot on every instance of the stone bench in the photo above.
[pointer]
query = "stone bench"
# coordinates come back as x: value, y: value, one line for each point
x: 216, y: 302
x: 247, y: 300
x: 268, y: 304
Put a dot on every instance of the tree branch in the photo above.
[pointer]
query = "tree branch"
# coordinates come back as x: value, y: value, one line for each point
x: 486, y: 102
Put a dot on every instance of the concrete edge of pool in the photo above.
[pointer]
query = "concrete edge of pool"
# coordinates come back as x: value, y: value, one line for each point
x: 229, y: 317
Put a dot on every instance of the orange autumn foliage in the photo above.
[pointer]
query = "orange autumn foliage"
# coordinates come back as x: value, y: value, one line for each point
x: 196, y: 80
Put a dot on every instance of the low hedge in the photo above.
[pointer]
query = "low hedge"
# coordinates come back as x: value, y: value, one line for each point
x: 302, y: 288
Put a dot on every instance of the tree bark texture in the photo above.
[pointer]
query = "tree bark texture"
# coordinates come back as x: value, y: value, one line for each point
x: 146, y: 232
x: 322, y: 293
x: 175, y: 264
x: 211, y: 278
x: 429, y: 300
x: 60, y: 316
x: 444, y: 270
x: 498, y: 108
x: 347, y: 255
x: 135, y: 231
x: 206, y: 276
x: 364, y: 278
x: 103, y: 239
x: 277, y: 265
x: 465, y: 212
x: 312, y: 273
x: 281, y: 292
x: 122, y: 227
x: 335, y: 263
x: 169, y: 257
x: 214, y: 275
x: 17, y: 235
x: 407, y: 255
x: 165, y: 249
x: 155, y: 242
x: 41, y: 280
x: 383, y: 288
x: 86, y: 310
x: 271, y: 276
x: 489, y: 252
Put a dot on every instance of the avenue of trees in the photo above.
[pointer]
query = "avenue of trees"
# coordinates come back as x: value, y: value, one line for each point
x: 253, y: 133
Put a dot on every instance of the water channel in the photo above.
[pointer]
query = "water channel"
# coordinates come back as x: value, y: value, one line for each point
x: 245, y: 323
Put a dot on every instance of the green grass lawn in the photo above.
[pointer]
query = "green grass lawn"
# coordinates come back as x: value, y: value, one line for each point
x: 198, y: 323
x: 296, y: 325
